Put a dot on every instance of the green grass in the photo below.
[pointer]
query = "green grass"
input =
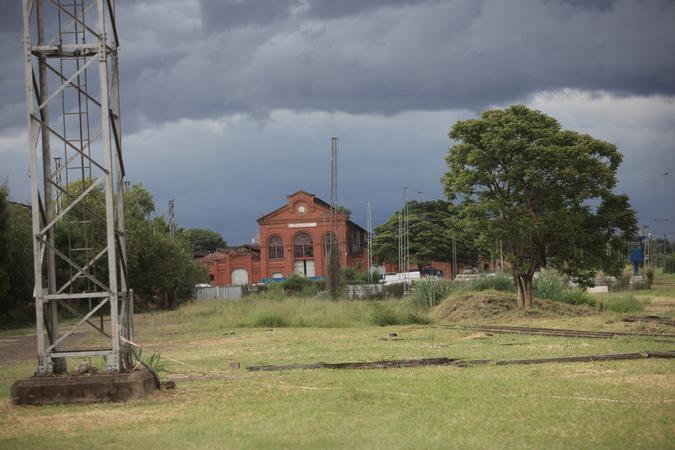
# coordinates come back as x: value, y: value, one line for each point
x: 623, y: 304
x: 599, y: 405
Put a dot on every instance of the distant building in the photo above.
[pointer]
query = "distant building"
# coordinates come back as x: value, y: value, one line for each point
x: 293, y: 239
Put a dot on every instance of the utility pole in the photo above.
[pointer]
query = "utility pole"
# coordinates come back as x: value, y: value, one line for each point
x: 172, y: 218
x: 454, y: 256
x: 82, y: 57
x: 57, y: 181
x: 370, y: 242
x: 399, y: 215
x: 334, y: 261
x: 501, y: 256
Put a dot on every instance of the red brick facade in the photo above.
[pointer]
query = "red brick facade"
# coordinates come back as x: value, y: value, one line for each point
x: 292, y: 239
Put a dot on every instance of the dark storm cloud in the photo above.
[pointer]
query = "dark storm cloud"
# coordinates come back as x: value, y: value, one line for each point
x: 190, y: 59
x: 220, y: 95
x: 387, y: 57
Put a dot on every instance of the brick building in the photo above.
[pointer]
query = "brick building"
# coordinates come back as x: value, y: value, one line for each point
x: 293, y: 239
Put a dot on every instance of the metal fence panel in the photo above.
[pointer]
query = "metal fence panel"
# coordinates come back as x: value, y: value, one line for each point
x: 221, y: 292
x: 361, y: 291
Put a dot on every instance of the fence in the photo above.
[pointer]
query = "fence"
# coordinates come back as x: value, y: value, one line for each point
x: 361, y: 291
x: 221, y: 292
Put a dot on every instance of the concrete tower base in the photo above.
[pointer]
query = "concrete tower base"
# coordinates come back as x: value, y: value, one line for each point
x: 102, y: 387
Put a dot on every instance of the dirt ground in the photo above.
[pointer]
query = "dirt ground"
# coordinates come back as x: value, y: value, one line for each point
x: 17, y: 348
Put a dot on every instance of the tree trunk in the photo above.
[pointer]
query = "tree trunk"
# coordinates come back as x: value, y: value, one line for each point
x: 520, y: 295
x: 527, y: 285
x: 523, y: 284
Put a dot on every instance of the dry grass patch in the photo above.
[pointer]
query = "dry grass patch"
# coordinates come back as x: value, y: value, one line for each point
x: 489, y: 306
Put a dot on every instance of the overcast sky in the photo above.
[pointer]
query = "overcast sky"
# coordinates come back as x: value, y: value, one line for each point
x: 229, y: 105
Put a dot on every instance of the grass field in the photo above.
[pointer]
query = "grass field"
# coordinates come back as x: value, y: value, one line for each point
x: 622, y: 404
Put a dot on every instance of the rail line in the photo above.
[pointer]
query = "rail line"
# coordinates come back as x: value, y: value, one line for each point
x: 555, y: 331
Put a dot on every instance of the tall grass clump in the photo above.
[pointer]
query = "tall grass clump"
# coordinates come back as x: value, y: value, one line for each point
x: 622, y: 304
x: 268, y: 319
x: 498, y: 283
x: 384, y: 315
x: 549, y: 285
x: 428, y: 292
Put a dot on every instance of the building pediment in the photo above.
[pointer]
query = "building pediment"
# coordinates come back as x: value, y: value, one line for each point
x: 301, y: 207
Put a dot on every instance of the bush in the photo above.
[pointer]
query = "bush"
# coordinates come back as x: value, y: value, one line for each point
x: 649, y: 273
x: 299, y: 285
x: 351, y: 275
x: 624, y: 304
x: 669, y: 266
x: 394, y: 290
x: 429, y: 292
x: 549, y: 285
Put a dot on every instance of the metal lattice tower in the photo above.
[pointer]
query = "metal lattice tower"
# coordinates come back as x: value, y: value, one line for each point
x: 71, y: 46
x: 172, y: 218
x: 334, y: 255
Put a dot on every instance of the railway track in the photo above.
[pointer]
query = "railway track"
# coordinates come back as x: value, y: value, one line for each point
x: 654, y: 319
x: 556, y: 331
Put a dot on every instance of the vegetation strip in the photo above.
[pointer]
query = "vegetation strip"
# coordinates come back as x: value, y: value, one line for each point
x: 613, y: 357
x: 384, y: 364
x: 655, y: 319
x: 556, y: 331
x: 403, y: 363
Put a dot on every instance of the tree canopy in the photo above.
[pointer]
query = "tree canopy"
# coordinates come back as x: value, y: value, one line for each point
x: 16, y: 262
x: 430, y: 234
x: 516, y: 176
x: 160, y: 266
x: 203, y: 241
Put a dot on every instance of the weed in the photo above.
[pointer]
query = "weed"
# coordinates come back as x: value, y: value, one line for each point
x: 623, y: 304
x: 268, y: 319
x: 383, y: 316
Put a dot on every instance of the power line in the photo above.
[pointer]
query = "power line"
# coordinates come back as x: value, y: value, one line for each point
x: 664, y: 174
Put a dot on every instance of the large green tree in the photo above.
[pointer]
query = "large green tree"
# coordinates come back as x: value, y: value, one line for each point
x: 516, y: 176
x: 160, y: 265
x: 430, y: 231
x: 16, y: 262
x: 202, y: 241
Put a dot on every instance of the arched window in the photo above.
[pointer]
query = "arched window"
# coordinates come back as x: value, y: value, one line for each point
x: 329, y: 243
x: 275, y: 247
x: 303, y: 246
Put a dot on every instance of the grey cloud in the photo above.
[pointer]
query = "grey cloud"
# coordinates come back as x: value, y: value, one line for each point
x: 222, y: 15
x: 374, y: 57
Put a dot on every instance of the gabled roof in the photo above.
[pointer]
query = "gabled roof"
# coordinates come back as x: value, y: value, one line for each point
x: 316, y: 200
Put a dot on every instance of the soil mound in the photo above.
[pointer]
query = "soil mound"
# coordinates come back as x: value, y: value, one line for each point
x: 498, y: 305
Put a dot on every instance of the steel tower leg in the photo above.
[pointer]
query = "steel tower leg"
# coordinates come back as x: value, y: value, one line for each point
x: 87, y: 266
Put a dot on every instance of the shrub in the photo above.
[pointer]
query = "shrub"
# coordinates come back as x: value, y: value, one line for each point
x: 352, y: 275
x: 550, y: 285
x: 623, y: 304
x: 649, y: 273
x: 669, y: 266
x: 299, y: 285
x: 394, y: 290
